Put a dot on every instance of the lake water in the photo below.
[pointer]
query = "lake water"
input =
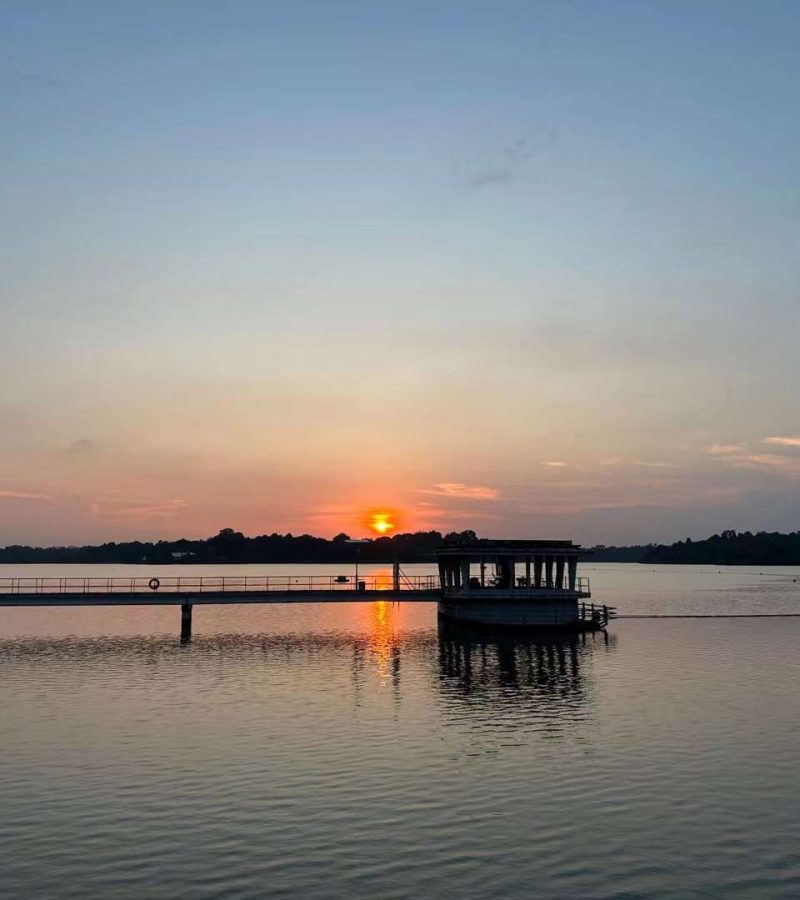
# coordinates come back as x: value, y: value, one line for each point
x: 358, y: 750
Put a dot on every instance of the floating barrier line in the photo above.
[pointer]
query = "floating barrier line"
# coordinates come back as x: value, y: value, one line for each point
x: 708, y: 616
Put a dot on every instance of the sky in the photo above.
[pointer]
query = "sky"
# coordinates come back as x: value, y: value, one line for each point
x: 529, y: 268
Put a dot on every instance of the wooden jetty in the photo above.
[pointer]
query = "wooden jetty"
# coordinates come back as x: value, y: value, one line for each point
x: 548, y: 595
x: 189, y: 591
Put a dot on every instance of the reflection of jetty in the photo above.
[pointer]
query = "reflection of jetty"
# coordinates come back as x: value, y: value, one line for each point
x: 481, y: 663
x: 496, y: 685
x: 548, y: 595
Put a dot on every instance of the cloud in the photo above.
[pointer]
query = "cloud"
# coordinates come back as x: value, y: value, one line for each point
x: 426, y: 513
x: 788, y: 465
x: 460, y: 491
x: 81, y: 446
x: 724, y: 449
x: 507, y: 168
x: 25, y: 495
x: 554, y: 463
x: 655, y: 465
x: 113, y: 508
x: 791, y: 441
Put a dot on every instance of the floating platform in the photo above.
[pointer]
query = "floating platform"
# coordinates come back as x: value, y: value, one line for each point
x: 537, y: 615
x: 482, y: 584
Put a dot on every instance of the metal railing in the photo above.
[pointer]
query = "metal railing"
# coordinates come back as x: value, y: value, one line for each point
x: 596, y: 614
x: 581, y: 584
x: 212, y: 584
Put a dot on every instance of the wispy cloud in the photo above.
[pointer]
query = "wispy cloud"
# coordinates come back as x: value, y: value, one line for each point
x: 789, y: 441
x: 789, y: 465
x: 114, y: 508
x: 554, y: 463
x: 647, y: 464
x: 725, y: 449
x: 457, y: 490
x: 507, y: 168
x: 741, y: 456
x: 25, y: 495
x: 82, y: 446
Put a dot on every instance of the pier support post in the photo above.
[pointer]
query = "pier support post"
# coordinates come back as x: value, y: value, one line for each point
x: 186, y: 622
x: 395, y: 576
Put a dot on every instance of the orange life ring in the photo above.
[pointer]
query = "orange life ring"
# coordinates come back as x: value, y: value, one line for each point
x: 154, y: 584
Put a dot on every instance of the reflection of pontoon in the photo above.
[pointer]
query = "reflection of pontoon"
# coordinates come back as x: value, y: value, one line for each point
x: 548, y: 594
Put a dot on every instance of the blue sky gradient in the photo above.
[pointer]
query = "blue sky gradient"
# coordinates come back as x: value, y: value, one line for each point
x: 268, y: 265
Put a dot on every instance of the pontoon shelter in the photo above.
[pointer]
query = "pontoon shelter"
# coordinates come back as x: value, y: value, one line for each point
x: 518, y: 583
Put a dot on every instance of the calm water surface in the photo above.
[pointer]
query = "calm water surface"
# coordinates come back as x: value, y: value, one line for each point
x: 358, y: 750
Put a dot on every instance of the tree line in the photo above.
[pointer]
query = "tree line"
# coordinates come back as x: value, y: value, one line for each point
x: 229, y: 546
x: 731, y: 548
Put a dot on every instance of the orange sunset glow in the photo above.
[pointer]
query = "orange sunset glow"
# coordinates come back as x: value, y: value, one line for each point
x: 381, y: 522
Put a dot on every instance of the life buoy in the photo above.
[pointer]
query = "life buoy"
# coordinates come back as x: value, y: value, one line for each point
x: 154, y: 584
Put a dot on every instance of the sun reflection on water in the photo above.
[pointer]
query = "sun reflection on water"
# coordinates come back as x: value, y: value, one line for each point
x: 383, y: 640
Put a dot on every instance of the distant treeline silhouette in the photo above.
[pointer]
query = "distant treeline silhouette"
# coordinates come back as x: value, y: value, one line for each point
x: 229, y: 546
x: 765, y: 548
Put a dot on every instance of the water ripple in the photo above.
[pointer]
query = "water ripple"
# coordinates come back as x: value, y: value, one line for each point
x: 388, y: 757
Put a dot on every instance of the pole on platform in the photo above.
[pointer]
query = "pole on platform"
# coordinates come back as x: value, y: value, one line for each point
x: 358, y: 542
x: 186, y: 622
x: 396, y: 576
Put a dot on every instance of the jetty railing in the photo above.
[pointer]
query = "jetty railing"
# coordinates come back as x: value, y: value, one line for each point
x: 597, y: 614
x: 581, y: 583
x: 212, y: 584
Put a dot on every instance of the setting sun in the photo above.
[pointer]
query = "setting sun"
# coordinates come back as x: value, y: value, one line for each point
x: 381, y: 522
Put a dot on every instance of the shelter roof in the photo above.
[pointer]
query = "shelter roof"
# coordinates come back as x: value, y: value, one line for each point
x: 516, y: 548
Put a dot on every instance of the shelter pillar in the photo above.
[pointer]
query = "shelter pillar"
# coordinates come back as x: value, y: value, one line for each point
x: 560, y: 560
x: 573, y: 572
x: 537, y: 571
x: 528, y: 572
x: 465, y: 574
x: 548, y: 571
